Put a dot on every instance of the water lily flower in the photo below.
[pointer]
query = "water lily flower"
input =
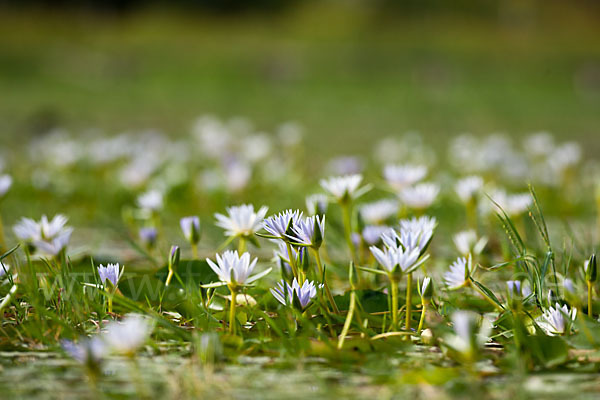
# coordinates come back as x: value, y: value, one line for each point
x: 415, y: 233
x: 557, y: 320
x: 5, y: 184
x: 190, y: 226
x: 152, y: 200
x: 50, y: 237
x: 308, y: 232
x: 241, y: 221
x: 127, y: 336
x: 377, y: 212
x: 317, y: 204
x: 232, y: 268
x: 279, y: 225
x: 400, y: 177
x: 420, y: 196
x: 343, y: 188
x: 459, y: 273
x: 513, y: 205
x: 468, y: 188
x: 392, y: 257
x: 295, y: 294
x: 466, y: 242
x: 112, y: 273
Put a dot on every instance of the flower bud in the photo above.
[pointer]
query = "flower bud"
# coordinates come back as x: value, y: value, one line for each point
x: 174, y: 257
x: 426, y: 289
x: 591, y: 269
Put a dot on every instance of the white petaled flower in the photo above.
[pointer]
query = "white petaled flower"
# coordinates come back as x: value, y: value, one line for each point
x: 557, y: 320
x: 309, y: 231
x: 569, y: 286
x: 512, y: 205
x: 232, y: 268
x: 112, y: 273
x: 190, y: 226
x: 343, y: 188
x: 279, y: 225
x: 127, y: 336
x: 400, y: 177
x: 152, y: 200
x: 468, y: 188
x: 420, y: 196
x: 288, y: 294
x: 49, y: 237
x: 241, y: 220
x: 317, y: 204
x: 5, y: 184
x: 377, y: 212
x: 458, y: 274
x: 466, y: 242
x: 89, y: 352
x: 372, y: 234
x: 391, y: 257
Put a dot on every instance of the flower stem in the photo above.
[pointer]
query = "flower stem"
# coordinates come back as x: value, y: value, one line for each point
x: 422, y: 320
x: 169, y: 277
x: 408, y: 300
x: 195, y: 251
x: 242, y: 245
x: 327, y: 290
x: 292, y: 261
x: 110, y: 304
x: 590, y: 311
x: 394, y: 310
x: 232, y: 311
x: 348, y: 321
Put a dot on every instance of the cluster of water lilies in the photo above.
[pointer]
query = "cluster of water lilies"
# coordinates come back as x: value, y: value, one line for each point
x: 387, y: 268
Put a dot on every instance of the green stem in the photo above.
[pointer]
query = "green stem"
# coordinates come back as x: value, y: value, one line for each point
x: 408, y: 301
x: 292, y: 261
x: 169, y: 277
x: 348, y: 320
x: 232, y: 311
x: 590, y: 311
x: 242, y: 245
x: 110, y: 304
x: 195, y: 251
x: 327, y: 291
x: 394, y: 310
x: 422, y: 320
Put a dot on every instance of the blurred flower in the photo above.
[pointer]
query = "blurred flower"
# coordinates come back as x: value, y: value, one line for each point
x: 372, y: 234
x: 557, y: 320
x: 152, y: 200
x: 377, y: 212
x: 569, y: 286
x: 458, y: 274
x: 127, y: 336
x: 466, y: 242
x: 190, y: 226
x: 317, y: 204
x: 343, y: 188
x: 231, y: 268
x: 89, y: 352
x: 112, y: 272
x: 237, y: 175
x: 294, y: 294
x: 468, y: 188
x: 5, y: 184
x: 399, y: 177
x: 148, y: 236
x: 345, y: 165
x: 512, y: 205
x: 467, y: 339
x: 241, y: 220
x: 279, y: 225
x: 48, y: 237
x: 420, y: 196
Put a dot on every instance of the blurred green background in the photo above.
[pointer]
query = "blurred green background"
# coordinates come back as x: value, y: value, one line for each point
x: 348, y: 71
